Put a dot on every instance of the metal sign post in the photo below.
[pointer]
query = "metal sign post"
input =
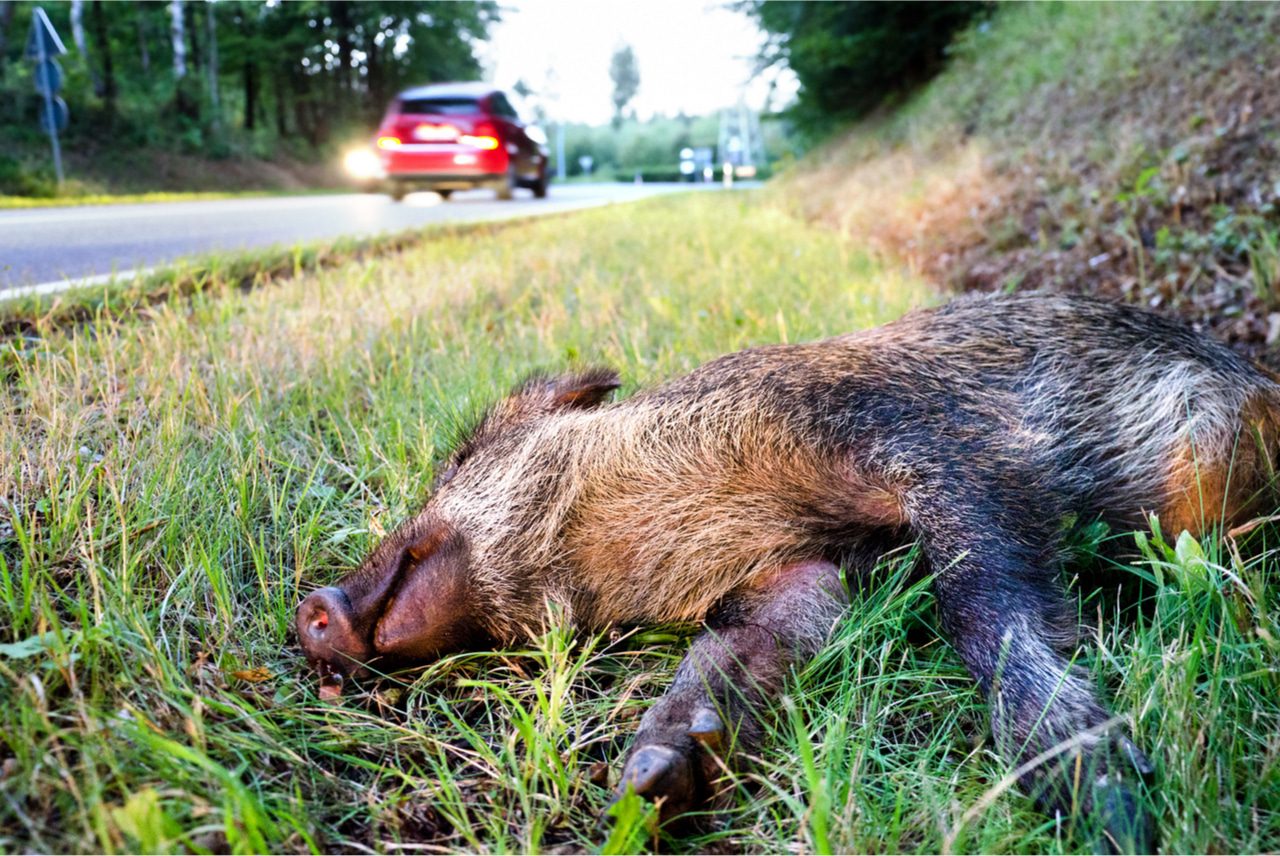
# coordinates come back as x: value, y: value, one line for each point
x: 42, y: 46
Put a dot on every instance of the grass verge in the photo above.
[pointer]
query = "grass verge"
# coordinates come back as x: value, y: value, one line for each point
x: 172, y: 483
x: 214, y: 273
x: 14, y: 202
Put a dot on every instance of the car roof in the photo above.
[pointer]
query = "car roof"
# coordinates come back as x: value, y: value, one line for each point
x: 436, y: 90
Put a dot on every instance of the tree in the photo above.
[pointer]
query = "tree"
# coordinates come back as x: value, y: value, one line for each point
x: 851, y: 56
x: 178, y: 38
x: 6, y: 19
x: 193, y: 74
x: 144, y: 54
x: 625, y: 73
x: 102, y: 43
x: 212, y: 26
x: 82, y: 44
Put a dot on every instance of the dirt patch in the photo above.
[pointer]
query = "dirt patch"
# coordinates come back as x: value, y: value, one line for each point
x: 1186, y: 222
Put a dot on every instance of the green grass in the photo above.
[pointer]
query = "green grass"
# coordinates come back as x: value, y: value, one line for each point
x: 173, y: 479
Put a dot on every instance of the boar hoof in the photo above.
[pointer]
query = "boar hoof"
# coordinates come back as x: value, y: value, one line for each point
x: 1140, y: 763
x: 663, y: 775
x: 1124, y: 826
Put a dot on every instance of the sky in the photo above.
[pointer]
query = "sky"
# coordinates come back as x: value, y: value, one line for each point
x: 694, y: 55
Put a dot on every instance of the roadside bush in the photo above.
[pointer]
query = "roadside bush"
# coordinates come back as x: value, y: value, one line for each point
x: 851, y: 57
x: 668, y: 173
x: 18, y: 180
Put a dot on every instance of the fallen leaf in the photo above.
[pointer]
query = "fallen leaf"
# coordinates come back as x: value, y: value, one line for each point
x: 30, y: 647
x: 253, y: 676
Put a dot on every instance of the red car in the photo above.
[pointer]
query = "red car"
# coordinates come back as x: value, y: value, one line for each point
x: 458, y: 136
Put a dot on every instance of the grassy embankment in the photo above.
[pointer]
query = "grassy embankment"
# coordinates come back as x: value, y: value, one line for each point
x: 173, y: 482
x: 1127, y: 149
x: 174, y: 479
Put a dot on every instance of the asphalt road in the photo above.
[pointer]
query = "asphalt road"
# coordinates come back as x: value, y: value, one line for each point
x: 44, y: 247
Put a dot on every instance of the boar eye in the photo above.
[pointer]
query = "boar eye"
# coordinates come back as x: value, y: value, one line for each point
x: 446, y: 475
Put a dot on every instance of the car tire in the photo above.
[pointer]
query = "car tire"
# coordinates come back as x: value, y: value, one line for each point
x: 398, y: 192
x: 445, y: 194
x: 507, y: 188
x: 540, y: 186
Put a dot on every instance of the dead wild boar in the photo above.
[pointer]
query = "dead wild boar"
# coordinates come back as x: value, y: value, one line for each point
x: 735, y: 496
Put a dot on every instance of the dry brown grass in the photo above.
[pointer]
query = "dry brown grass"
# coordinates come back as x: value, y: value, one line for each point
x: 914, y: 204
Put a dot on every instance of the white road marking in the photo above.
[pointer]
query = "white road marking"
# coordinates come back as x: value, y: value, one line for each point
x: 60, y: 285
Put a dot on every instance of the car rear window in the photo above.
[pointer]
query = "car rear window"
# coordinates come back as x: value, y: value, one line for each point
x: 441, y: 106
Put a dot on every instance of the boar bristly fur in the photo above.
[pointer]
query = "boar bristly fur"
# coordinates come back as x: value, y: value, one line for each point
x: 733, y: 496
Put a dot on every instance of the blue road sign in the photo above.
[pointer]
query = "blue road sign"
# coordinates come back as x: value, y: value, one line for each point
x: 61, y: 115
x: 43, y: 41
x: 48, y: 77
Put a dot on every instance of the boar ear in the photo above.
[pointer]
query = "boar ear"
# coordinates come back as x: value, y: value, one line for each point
x: 579, y: 391
x: 422, y: 547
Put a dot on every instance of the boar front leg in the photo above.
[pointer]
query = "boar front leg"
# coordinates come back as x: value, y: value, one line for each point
x: 724, y: 685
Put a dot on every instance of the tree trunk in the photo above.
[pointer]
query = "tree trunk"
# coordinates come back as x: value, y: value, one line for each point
x: 250, y: 94
x: 212, y: 25
x: 6, y: 20
x: 178, y: 38
x: 82, y: 44
x: 282, y: 116
x: 299, y: 109
x: 340, y: 12
x: 373, y: 67
x: 102, y: 44
x: 144, y: 54
x: 302, y: 112
x: 192, y: 27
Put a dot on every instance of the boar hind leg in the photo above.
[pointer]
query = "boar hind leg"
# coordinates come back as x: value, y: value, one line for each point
x: 724, y: 685
x: 1003, y: 607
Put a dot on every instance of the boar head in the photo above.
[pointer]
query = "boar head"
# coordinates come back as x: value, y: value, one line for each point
x: 418, y: 595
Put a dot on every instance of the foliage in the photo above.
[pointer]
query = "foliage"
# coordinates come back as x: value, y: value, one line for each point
x: 625, y: 74
x: 850, y: 57
x: 288, y: 77
x: 634, y: 143
x: 654, y: 144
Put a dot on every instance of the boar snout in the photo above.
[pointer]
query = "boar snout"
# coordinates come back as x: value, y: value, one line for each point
x: 410, y: 602
x: 328, y: 633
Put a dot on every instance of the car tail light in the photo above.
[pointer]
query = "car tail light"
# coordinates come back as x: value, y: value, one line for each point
x: 388, y: 142
x: 483, y: 141
x: 482, y: 136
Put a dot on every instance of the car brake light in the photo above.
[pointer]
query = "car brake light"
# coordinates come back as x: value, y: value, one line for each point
x: 480, y: 142
x: 388, y: 142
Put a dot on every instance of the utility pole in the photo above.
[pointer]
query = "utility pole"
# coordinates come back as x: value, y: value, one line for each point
x: 561, y: 172
x: 741, y: 143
